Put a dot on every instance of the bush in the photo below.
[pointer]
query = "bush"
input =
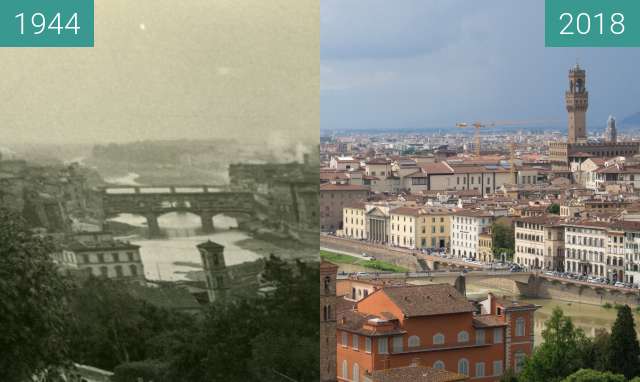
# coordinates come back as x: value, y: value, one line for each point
x: 149, y: 370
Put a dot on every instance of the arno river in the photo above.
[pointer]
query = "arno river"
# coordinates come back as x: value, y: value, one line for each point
x: 169, y: 259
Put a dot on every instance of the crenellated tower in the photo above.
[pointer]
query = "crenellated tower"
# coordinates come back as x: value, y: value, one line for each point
x: 577, y: 101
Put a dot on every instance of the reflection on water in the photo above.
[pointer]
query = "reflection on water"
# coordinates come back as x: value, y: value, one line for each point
x: 127, y: 180
x: 585, y: 316
x: 159, y: 255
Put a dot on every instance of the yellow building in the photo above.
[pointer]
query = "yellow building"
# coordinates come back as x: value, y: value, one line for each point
x: 485, y: 246
x: 426, y: 227
x: 354, y: 221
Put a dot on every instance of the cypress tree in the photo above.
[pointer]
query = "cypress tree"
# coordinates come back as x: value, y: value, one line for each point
x: 623, y: 345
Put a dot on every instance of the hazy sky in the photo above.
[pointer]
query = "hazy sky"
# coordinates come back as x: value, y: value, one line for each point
x: 431, y: 63
x: 172, y: 69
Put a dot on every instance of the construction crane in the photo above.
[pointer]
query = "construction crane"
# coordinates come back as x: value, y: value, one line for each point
x: 476, y: 135
x: 479, y: 125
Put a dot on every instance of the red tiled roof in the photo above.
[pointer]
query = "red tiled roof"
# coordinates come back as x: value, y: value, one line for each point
x: 428, y: 300
x: 342, y: 187
x: 415, y: 374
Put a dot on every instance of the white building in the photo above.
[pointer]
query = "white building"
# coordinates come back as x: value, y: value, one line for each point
x: 466, y: 226
x: 585, y: 247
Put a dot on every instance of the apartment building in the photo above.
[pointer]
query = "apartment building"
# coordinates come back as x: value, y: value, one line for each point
x: 466, y: 227
x: 585, y: 248
x: 354, y: 225
x: 539, y: 243
x: 435, y: 326
x: 103, y: 256
x: 333, y: 198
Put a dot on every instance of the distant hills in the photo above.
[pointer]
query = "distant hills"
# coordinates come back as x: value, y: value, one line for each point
x: 632, y: 121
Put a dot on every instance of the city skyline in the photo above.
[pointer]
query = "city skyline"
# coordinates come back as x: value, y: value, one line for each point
x: 381, y: 72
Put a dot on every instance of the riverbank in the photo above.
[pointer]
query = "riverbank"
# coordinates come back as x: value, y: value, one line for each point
x: 377, y: 265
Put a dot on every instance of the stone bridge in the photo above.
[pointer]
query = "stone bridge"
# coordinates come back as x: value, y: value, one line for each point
x: 514, y: 282
x: 154, y: 201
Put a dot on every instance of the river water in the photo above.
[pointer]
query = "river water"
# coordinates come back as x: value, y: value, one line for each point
x: 170, y: 259
x: 585, y: 316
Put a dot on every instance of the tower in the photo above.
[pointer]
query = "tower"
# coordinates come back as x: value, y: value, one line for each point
x: 611, y: 134
x: 215, y: 270
x: 577, y: 101
x: 328, y: 299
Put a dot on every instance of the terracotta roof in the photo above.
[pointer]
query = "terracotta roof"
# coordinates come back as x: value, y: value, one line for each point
x: 488, y: 321
x: 354, y: 321
x: 378, y: 161
x: 415, y: 374
x: 409, y: 211
x: 467, y: 169
x: 543, y: 220
x: 342, y: 187
x: 473, y: 213
x: 428, y: 300
x: 355, y: 205
x: 436, y: 168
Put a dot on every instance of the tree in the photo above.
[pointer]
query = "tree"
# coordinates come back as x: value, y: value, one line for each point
x: 554, y: 209
x: 588, y: 375
x: 261, y: 338
x: 623, y: 346
x: 561, y: 353
x: 110, y: 327
x: 596, y: 352
x: 503, y: 238
x: 509, y: 376
x: 32, y: 305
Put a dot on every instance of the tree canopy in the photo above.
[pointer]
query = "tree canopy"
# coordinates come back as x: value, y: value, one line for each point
x: 623, y: 350
x: 33, y: 312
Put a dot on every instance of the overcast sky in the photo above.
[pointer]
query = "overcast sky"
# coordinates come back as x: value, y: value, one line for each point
x: 164, y: 69
x: 432, y: 63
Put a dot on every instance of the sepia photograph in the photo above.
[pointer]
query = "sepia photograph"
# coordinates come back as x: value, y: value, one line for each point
x: 159, y: 197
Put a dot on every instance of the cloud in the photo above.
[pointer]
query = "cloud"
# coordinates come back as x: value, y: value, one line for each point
x: 433, y: 63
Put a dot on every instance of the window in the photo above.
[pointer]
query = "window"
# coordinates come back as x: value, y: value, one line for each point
x: 520, y: 327
x: 345, y: 370
x: 85, y: 258
x: 355, y: 342
x: 118, y: 270
x: 497, y: 335
x: 480, y: 337
x: 101, y: 257
x: 439, y: 365
x: 463, y: 366
x: 383, y: 345
x: 497, y: 367
x: 479, y: 369
x: 438, y: 339
x: 367, y: 344
x: 104, y: 271
x: 518, y: 362
x: 133, y: 270
x: 414, y: 341
x: 345, y: 339
x: 130, y: 256
x: 397, y: 344
x: 463, y: 336
x: 356, y: 372
x: 116, y: 257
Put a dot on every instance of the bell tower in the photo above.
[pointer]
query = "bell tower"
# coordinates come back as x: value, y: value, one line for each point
x: 577, y: 101
x: 215, y: 270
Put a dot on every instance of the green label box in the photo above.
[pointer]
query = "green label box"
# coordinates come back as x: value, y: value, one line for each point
x: 594, y: 23
x: 46, y: 23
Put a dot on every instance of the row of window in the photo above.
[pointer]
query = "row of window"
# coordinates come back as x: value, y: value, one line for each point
x: 118, y: 269
x: 437, y: 339
x: 85, y: 258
